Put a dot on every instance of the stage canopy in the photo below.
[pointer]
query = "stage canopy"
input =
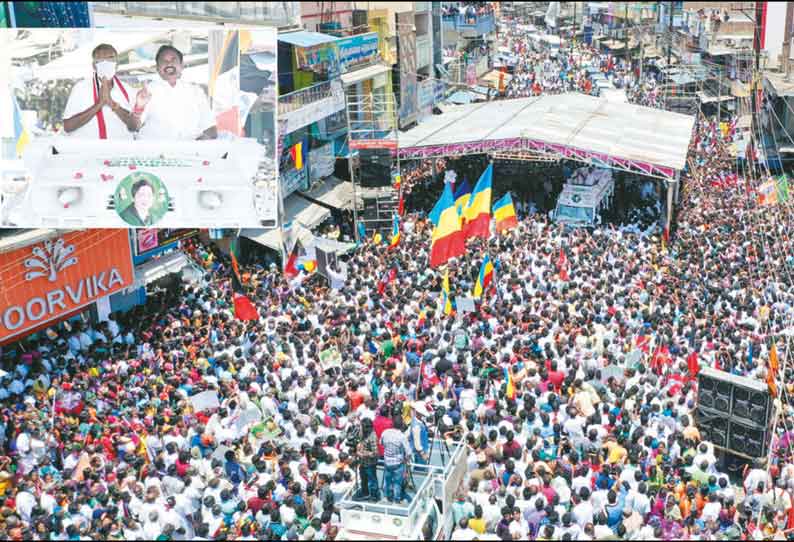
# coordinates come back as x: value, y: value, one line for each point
x: 574, y: 126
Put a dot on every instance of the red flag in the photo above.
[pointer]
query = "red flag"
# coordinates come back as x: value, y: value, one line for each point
x: 290, y: 266
x: 562, y: 265
x: 660, y: 358
x: 244, y: 309
x: 692, y: 364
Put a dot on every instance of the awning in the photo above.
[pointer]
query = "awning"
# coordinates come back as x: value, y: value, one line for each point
x: 157, y: 268
x: 273, y: 238
x: 706, y: 99
x: 304, y: 213
x: 304, y: 38
x: 362, y: 74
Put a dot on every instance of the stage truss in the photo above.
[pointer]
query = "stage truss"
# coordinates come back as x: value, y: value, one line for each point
x: 524, y: 145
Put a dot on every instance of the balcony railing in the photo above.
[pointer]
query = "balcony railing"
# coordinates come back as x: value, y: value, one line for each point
x: 473, y: 24
x: 303, y: 97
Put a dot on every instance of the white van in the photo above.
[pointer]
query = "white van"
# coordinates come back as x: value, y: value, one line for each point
x: 585, y: 194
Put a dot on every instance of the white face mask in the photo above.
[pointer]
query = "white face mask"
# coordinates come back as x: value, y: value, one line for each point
x: 105, y: 69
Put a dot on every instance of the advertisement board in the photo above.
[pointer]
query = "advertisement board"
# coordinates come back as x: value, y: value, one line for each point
x: 355, y: 50
x: 406, y: 43
x: 150, y: 239
x: 56, y: 277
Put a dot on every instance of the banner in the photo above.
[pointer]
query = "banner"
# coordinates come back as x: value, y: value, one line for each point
x: 205, y: 400
x: 406, y: 42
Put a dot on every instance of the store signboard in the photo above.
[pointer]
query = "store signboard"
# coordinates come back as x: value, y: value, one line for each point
x: 56, y: 277
x: 356, y: 50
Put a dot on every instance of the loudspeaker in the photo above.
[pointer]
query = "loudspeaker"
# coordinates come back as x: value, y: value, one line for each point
x: 734, y: 412
x: 747, y: 440
x: 738, y: 397
x: 712, y: 427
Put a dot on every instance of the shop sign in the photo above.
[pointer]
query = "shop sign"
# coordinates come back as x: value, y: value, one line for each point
x: 54, y: 278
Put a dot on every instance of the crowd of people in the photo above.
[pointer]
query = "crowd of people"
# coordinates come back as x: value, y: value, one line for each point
x: 102, y: 440
x: 572, y: 386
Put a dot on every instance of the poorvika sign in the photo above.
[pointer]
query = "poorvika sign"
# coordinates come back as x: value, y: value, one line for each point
x: 54, y: 278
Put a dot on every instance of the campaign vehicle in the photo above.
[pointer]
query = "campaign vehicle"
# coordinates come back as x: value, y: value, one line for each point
x: 584, y: 196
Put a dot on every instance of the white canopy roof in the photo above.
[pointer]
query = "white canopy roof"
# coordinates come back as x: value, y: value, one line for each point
x: 572, y: 120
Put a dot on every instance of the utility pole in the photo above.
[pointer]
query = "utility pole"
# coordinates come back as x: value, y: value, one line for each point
x: 573, y: 34
x: 670, y: 35
x: 626, y: 31
x: 787, y: 39
x: 754, y: 126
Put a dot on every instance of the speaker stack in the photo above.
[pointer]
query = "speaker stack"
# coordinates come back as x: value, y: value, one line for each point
x: 734, y: 412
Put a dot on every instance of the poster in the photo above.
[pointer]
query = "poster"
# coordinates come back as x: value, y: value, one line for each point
x: 205, y: 400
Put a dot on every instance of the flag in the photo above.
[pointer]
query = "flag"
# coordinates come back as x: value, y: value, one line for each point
x: 395, y: 232
x: 291, y: 265
x: 504, y: 213
x: 296, y: 153
x: 692, y: 364
x: 224, y: 83
x: 362, y: 231
x: 435, y: 213
x: 477, y: 214
x: 485, y: 277
x: 510, y: 388
x: 782, y: 189
x: 562, y: 265
x: 462, y: 195
x: 234, y: 250
x: 446, y: 300
x: 398, y: 183
x: 21, y: 134
x: 448, y: 240
x: 387, y: 278
x: 243, y: 307
x: 768, y: 193
x: 771, y: 377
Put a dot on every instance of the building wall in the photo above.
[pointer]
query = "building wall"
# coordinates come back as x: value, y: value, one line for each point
x: 312, y: 14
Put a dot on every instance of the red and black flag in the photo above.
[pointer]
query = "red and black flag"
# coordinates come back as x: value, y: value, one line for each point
x: 244, y: 309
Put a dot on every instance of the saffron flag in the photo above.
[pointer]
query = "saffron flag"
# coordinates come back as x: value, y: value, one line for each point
x: 504, y: 213
x: 771, y: 377
x: 462, y: 195
x: 448, y: 240
x: 562, y: 265
x: 485, y: 277
x: 296, y: 152
x: 446, y: 300
x: 510, y: 388
x: 395, y: 232
x: 21, y: 134
x: 477, y: 214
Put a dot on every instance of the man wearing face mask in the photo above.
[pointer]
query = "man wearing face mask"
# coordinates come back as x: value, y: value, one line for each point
x: 170, y: 108
x: 99, y: 107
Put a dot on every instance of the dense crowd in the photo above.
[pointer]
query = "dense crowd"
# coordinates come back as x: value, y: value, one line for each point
x: 602, y: 334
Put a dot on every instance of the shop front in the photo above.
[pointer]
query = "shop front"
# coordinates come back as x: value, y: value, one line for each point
x: 61, y: 277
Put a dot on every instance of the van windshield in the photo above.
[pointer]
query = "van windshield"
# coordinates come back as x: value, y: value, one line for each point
x: 568, y: 213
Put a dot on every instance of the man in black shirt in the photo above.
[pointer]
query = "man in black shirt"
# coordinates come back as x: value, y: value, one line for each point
x: 368, y: 461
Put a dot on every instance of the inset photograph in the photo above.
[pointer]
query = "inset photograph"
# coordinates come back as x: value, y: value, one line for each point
x: 139, y: 128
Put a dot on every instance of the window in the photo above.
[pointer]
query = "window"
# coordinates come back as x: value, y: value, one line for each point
x: 567, y: 213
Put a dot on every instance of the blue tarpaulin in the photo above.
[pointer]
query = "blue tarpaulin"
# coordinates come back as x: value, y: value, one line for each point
x: 303, y: 38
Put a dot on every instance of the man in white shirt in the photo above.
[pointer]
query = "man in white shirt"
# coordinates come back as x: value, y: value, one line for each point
x: 171, y: 108
x: 99, y: 107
